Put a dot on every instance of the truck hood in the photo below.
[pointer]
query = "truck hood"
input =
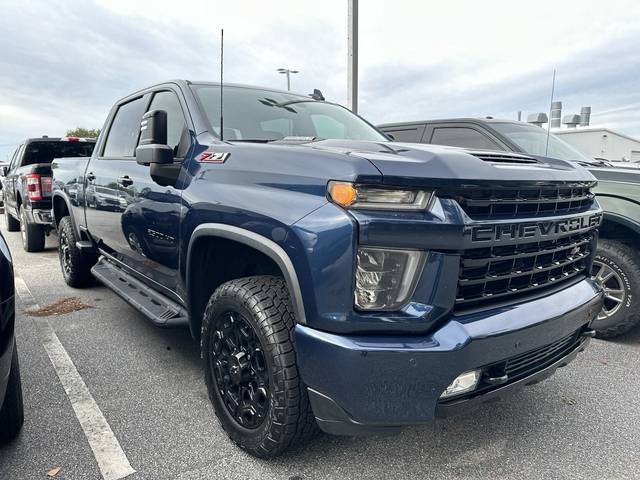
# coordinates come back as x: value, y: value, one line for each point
x: 434, y: 165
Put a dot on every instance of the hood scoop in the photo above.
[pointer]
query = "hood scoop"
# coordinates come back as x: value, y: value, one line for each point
x: 504, y: 158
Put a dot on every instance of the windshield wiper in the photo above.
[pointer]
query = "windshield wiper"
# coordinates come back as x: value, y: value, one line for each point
x: 253, y: 140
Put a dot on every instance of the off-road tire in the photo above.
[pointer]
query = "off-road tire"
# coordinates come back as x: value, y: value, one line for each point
x: 625, y: 262
x: 12, y: 412
x: 11, y: 223
x: 75, y: 264
x: 265, y: 304
x: 32, y: 233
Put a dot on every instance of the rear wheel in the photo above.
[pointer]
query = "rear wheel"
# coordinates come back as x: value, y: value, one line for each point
x: 32, y: 233
x: 250, y: 366
x: 11, y: 223
x: 616, y: 268
x: 12, y: 412
x: 75, y: 264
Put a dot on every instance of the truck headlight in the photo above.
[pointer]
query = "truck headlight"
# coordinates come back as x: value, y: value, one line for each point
x: 366, y: 197
x: 385, y: 278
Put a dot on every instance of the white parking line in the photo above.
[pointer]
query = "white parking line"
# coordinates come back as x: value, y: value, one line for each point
x: 112, y: 461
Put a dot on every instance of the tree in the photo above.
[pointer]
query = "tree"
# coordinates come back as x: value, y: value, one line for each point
x: 83, y: 132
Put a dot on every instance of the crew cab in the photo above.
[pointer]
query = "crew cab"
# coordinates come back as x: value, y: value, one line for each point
x: 333, y: 279
x: 616, y: 265
x: 26, y: 185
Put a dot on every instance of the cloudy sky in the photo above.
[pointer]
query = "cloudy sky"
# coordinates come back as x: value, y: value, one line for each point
x: 63, y: 63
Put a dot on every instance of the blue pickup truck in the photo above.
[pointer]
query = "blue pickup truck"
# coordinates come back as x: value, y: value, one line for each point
x: 334, y: 279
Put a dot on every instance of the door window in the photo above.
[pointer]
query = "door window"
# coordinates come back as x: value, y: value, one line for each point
x: 405, y: 135
x: 176, y: 125
x: 462, y: 137
x: 125, y: 129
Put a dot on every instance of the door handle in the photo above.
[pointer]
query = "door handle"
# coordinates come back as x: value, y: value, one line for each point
x: 91, y: 177
x: 125, y: 180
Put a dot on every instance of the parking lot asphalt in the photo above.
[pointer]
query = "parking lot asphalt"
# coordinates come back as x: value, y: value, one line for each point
x: 582, y: 423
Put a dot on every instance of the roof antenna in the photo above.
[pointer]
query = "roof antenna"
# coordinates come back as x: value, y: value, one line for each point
x: 553, y: 87
x: 221, y: 76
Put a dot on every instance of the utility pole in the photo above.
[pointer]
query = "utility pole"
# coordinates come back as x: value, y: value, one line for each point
x: 352, y: 69
x: 287, y: 72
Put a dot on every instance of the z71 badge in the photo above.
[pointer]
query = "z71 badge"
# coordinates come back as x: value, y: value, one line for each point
x: 213, y: 157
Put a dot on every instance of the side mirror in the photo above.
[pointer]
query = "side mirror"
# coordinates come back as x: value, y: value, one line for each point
x: 153, y: 146
x: 4, y: 171
x: 390, y: 137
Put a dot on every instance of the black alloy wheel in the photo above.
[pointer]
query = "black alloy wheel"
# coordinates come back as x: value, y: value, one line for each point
x: 240, y: 370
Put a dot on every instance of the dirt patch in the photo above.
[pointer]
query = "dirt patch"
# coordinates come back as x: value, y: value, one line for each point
x: 61, y: 307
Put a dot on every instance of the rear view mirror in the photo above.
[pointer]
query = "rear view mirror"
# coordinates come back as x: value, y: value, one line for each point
x: 153, y: 146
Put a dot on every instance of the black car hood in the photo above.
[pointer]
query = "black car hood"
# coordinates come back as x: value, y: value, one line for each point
x: 418, y: 164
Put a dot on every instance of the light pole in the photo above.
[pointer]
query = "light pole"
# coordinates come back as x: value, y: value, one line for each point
x: 352, y: 54
x: 288, y: 73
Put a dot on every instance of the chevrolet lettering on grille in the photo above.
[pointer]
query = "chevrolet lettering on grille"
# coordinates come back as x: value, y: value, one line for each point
x: 533, y: 230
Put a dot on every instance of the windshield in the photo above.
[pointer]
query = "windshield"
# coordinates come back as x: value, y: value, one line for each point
x: 533, y: 140
x: 253, y: 114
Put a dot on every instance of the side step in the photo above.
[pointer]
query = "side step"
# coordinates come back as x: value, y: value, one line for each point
x: 155, y: 306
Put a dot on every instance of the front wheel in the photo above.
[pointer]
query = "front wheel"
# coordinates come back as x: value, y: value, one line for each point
x: 11, y: 223
x: 32, y: 234
x: 250, y: 366
x: 616, y: 267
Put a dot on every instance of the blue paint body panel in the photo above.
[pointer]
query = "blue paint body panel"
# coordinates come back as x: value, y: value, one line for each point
x: 378, y: 367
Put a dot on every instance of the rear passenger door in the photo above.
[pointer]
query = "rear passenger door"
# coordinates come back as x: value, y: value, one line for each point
x: 151, y: 218
x: 463, y: 135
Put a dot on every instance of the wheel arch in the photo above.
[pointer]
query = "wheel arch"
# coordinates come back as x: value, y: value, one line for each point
x: 60, y: 208
x: 618, y: 227
x: 251, y: 242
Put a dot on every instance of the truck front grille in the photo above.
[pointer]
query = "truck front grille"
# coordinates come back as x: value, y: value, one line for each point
x: 523, y: 202
x: 497, y: 273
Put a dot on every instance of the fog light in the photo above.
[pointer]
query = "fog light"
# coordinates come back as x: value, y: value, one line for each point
x: 466, y: 382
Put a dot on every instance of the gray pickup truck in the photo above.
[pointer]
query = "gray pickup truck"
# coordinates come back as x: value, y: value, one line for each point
x: 617, y: 263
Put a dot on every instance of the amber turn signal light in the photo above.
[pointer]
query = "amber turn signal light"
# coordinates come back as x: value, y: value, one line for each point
x: 344, y: 194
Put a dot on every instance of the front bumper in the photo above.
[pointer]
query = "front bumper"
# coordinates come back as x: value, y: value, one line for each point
x: 376, y: 384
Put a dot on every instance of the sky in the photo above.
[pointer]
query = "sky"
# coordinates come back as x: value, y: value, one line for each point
x: 64, y: 63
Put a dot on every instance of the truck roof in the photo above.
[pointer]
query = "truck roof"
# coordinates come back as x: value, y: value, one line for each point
x: 55, y: 139
x: 456, y: 120
x: 185, y: 83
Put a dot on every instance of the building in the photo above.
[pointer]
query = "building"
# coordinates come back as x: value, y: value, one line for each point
x: 599, y: 142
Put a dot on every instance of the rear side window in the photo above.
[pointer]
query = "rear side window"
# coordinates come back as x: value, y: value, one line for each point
x: 176, y: 125
x: 462, y: 137
x: 404, y: 135
x: 45, y: 152
x: 124, y: 131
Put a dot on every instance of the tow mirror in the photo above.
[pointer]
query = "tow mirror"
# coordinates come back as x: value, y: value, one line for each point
x: 153, y: 146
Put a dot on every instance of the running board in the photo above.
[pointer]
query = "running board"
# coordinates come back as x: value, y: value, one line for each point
x: 153, y: 305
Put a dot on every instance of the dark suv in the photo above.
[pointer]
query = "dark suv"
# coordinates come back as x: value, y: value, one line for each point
x: 617, y: 263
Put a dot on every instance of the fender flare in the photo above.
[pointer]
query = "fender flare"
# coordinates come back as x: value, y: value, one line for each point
x: 622, y: 220
x: 67, y: 202
x: 260, y: 243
